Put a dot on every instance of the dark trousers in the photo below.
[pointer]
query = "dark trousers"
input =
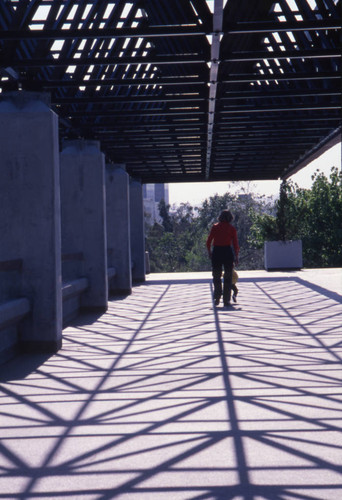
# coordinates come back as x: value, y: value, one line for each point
x: 222, y: 259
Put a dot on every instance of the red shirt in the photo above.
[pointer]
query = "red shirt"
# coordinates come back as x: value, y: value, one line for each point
x: 223, y: 234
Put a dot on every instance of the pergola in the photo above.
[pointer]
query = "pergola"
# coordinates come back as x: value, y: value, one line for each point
x: 183, y: 90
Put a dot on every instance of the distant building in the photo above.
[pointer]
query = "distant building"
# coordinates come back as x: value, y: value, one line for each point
x: 152, y: 195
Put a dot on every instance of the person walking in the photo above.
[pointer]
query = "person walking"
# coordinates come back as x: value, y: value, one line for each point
x: 220, y: 243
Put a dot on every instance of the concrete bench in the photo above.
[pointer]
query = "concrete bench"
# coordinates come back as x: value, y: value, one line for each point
x: 13, y: 311
x: 74, y: 287
x: 71, y: 295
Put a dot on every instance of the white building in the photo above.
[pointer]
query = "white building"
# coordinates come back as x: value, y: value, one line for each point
x: 153, y: 194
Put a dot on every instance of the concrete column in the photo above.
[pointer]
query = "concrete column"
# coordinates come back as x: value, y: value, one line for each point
x: 30, y: 212
x: 84, y: 216
x: 137, y: 231
x: 118, y: 228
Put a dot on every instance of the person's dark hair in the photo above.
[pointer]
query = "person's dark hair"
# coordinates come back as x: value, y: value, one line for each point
x: 225, y: 216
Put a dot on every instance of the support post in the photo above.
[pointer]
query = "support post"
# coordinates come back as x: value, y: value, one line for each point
x: 137, y: 231
x: 84, y: 216
x: 118, y: 228
x: 30, y: 213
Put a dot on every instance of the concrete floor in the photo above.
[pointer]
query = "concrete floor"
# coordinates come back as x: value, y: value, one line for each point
x: 166, y: 398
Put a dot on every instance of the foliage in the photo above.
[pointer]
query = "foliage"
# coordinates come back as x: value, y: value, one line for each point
x: 263, y: 228
x: 282, y: 219
x: 281, y: 222
x: 312, y: 215
x: 165, y: 216
x: 169, y: 243
x: 212, y: 207
x: 178, y: 243
x: 322, y: 228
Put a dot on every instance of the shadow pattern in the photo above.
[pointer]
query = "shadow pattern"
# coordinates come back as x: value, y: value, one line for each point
x: 165, y: 397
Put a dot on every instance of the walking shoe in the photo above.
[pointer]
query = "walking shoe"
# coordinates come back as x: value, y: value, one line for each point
x: 234, y: 296
x: 217, y: 301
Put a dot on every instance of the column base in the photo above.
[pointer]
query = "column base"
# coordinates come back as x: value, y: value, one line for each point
x: 8, y: 354
x: 121, y: 291
x: 94, y: 309
x: 139, y: 280
x: 40, y: 346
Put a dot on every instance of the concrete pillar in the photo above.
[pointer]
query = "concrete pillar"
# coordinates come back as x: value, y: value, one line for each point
x: 118, y: 228
x: 30, y: 212
x: 84, y: 216
x: 137, y: 231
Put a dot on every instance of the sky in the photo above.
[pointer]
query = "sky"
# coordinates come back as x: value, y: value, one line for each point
x: 196, y: 192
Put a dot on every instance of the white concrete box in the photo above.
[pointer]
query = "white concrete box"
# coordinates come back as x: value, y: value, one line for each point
x: 283, y: 255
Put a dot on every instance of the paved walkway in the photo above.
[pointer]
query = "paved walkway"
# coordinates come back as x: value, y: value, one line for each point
x: 166, y: 398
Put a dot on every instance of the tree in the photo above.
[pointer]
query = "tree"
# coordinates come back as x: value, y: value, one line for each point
x: 282, y: 221
x: 211, y: 208
x: 322, y: 234
x: 169, y: 243
x: 178, y: 244
x: 312, y: 215
x: 164, y: 212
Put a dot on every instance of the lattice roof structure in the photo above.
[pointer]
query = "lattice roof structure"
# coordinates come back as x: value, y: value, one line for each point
x: 183, y: 90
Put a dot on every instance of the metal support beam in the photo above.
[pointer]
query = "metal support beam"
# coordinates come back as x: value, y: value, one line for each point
x: 213, y: 79
x: 241, y: 28
x: 191, y: 58
x: 327, y: 143
x: 176, y: 81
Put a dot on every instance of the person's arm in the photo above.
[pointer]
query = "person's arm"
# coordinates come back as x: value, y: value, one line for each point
x: 209, y: 241
x: 236, y: 246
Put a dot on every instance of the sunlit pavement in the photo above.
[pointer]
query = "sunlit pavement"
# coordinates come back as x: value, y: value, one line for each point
x: 165, y: 397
